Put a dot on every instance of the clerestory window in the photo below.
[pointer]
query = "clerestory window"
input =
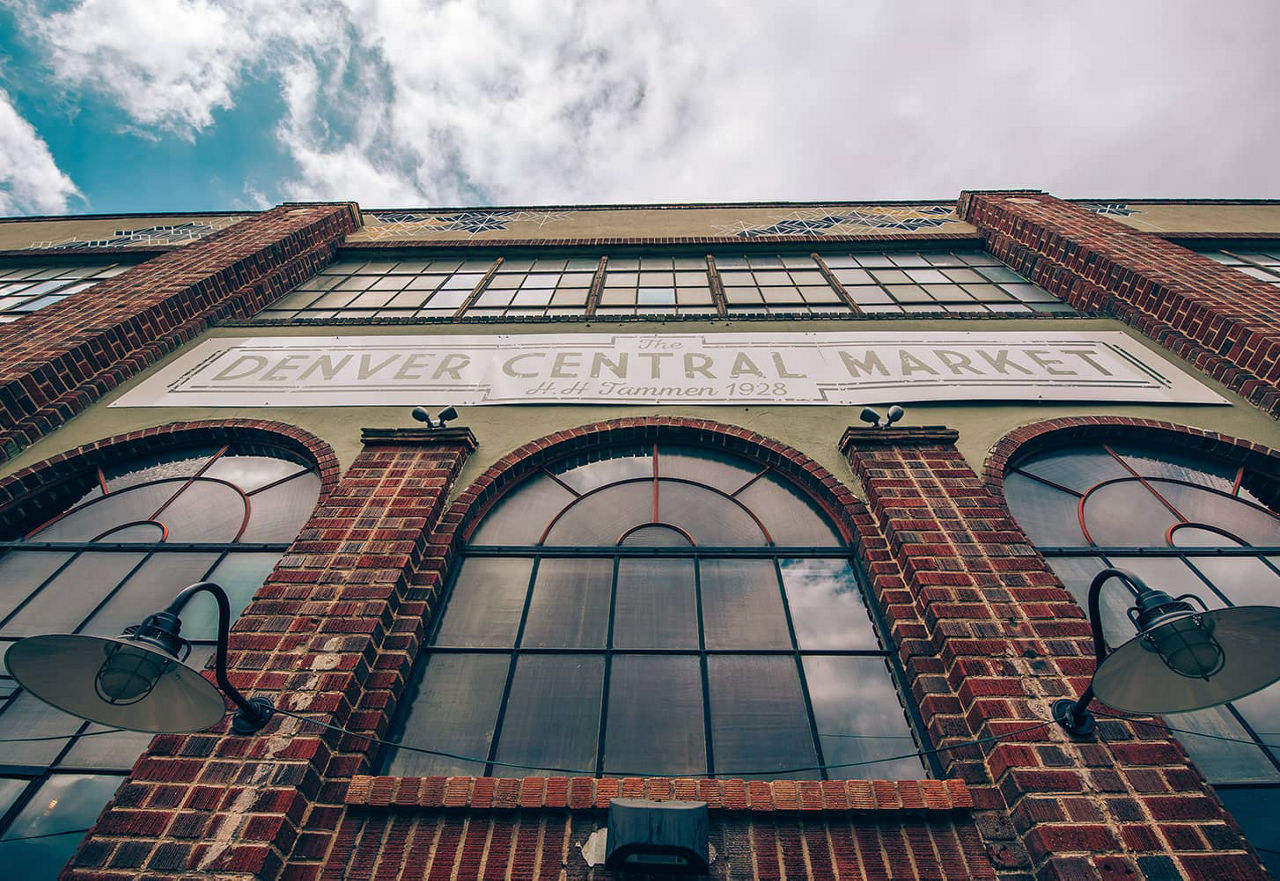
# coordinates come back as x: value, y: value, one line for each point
x: 657, y: 611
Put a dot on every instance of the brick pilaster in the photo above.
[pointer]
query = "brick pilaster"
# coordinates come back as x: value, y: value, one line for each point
x: 57, y: 361
x: 315, y: 641
x: 989, y: 639
x: 1221, y: 320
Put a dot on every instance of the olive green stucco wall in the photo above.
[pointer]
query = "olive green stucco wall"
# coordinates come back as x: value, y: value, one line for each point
x: 814, y: 430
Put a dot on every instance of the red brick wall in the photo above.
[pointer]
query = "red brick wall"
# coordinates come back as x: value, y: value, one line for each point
x: 1221, y: 320
x: 990, y: 639
x: 58, y: 360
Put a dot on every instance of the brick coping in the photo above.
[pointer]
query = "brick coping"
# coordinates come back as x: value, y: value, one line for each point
x: 593, y: 794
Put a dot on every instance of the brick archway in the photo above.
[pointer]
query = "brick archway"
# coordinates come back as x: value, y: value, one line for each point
x: 27, y: 495
x: 1261, y: 462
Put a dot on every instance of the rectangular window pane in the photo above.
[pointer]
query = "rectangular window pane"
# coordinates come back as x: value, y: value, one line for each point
x: 149, y: 590
x: 656, y: 606
x: 553, y: 715
x: 1224, y: 760
x: 826, y: 604
x: 860, y: 718
x: 741, y: 605
x: 21, y: 572
x: 65, y: 603
x: 759, y: 726
x: 487, y: 602
x: 28, y: 716
x: 642, y: 691
x: 452, y: 708
x: 570, y: 604
x: 63, y: 802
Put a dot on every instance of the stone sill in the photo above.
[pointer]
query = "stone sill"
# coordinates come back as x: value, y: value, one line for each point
x: 588, y: 793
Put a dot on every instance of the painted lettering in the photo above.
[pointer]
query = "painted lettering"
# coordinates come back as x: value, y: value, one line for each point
x: 697, y: 363
x: 254, y: 362
x: 911, y: 364
x: 325, y: 365
x: 782, y: 368
x: 365, y: 370
x: 1087, y: 357
x: 452, y: 366
x: 283, y: 366
x: 868, y: 364
x: 413, y: 363
x: 742, y: 364
x: 956, y: 361
x: 654, y: 359
x: 1002, y: 362
x: 509, y: 366
x: 600, y: 361
x: 1035, y: 355
x: 566, y: 361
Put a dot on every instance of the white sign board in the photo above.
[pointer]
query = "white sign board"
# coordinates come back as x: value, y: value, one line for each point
x: 708, y: 368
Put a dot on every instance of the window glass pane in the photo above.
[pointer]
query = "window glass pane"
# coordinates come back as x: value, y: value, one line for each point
x: 453, y: 708
x: 1047, y: 515
x: 1126, y: 514
x: 602, y: 517
x: 790, y: 518
x: 826, y: 604
x: 21, y: 572
x: 28, y: 716
x: 1163, y: 573
x: 656, y: 606
x: 181, y: 464
x: 487, y: 602
x: 278, y: 513
x: 642, y: 690
x: 1255, y: 526
x: 1262, y: 711
x: 108, y: 752
x: 205, y: 511
x: 1076, y: 469
x: 1218, y: 759
x: 520, y: 517
x: 1178, y: 466
x: 10, y: 789
x: 759, y: 726
x: 860, y: 718
x: 63, y: 802
x: 69, y: 598
x: 656, y: 535
x: 707, y: 467
x: 712, y: 519
x: 553, y: 714
x: 1244, y: 581
x: 87, y: 523
x: 1256, y: 809
x: 150, y: 589
x: 625, y: 466
x: 1077, y: 573
x: 741, y: 605
x: 570, y: 604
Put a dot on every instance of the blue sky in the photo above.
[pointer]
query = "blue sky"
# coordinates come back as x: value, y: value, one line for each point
x: 187, y: 105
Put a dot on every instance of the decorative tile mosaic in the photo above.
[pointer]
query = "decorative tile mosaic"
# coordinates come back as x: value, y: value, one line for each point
x: 171, y: 234
x: 823, y: 222
x: 1116, y: 209
x: 398, y: 224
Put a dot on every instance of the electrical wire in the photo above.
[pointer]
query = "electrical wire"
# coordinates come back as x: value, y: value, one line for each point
x: 591, y: 773
x: 44, y: 835
x: 59, y: 737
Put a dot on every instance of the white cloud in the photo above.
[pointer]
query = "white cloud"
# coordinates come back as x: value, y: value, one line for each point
x: 536, y: 101
x: 30, y: 182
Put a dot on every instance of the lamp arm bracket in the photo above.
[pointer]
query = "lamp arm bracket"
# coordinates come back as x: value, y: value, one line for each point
x: 252, y: 714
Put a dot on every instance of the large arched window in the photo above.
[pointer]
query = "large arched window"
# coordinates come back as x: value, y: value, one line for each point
x: 132, y: 536
x: 656, y: 611
x: 1186, y: 524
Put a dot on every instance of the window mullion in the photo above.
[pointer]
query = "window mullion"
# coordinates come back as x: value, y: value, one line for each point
x: 608, y: 670
x: 799, y: 662
x: 511, y: 669
x: 702, y: 667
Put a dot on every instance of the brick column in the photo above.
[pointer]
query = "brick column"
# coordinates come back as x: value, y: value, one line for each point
x: 1219, y: 319
x: 990, y: 639
x: 315, y: 640
x: 57, y: 361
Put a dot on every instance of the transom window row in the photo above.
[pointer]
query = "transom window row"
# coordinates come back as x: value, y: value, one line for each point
x: 830, y: 284
x: 24, y: 289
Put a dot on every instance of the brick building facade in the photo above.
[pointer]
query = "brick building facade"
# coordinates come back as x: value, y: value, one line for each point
x: 876, y: 620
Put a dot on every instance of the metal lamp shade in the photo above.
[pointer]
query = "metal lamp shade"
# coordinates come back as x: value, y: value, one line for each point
x: 61, y: 669
x: 1135, y: 679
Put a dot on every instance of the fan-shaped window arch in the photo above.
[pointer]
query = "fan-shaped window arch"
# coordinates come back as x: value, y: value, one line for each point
x: 124, y: 539
x: 656, y: 610
x: 1185, y: 523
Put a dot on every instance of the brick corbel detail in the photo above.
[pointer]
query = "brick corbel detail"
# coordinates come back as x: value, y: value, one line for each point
x: 989, y: 639
x: 1221, y: 320
x: 312, y: 640
x: 58, y: 360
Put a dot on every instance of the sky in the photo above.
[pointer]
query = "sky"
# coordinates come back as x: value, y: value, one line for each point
x: 113, y: 106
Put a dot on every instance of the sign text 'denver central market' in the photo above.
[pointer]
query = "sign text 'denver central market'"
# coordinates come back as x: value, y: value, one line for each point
x: 711, y: 368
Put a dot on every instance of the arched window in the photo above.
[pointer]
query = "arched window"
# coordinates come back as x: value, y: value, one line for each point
x: 134, y: 536
x: 1185, y: 524
x: 656, y: 611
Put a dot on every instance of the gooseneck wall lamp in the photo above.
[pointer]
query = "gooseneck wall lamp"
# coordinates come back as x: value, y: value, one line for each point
x: 1183, y: 658
x: 137, y: 681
